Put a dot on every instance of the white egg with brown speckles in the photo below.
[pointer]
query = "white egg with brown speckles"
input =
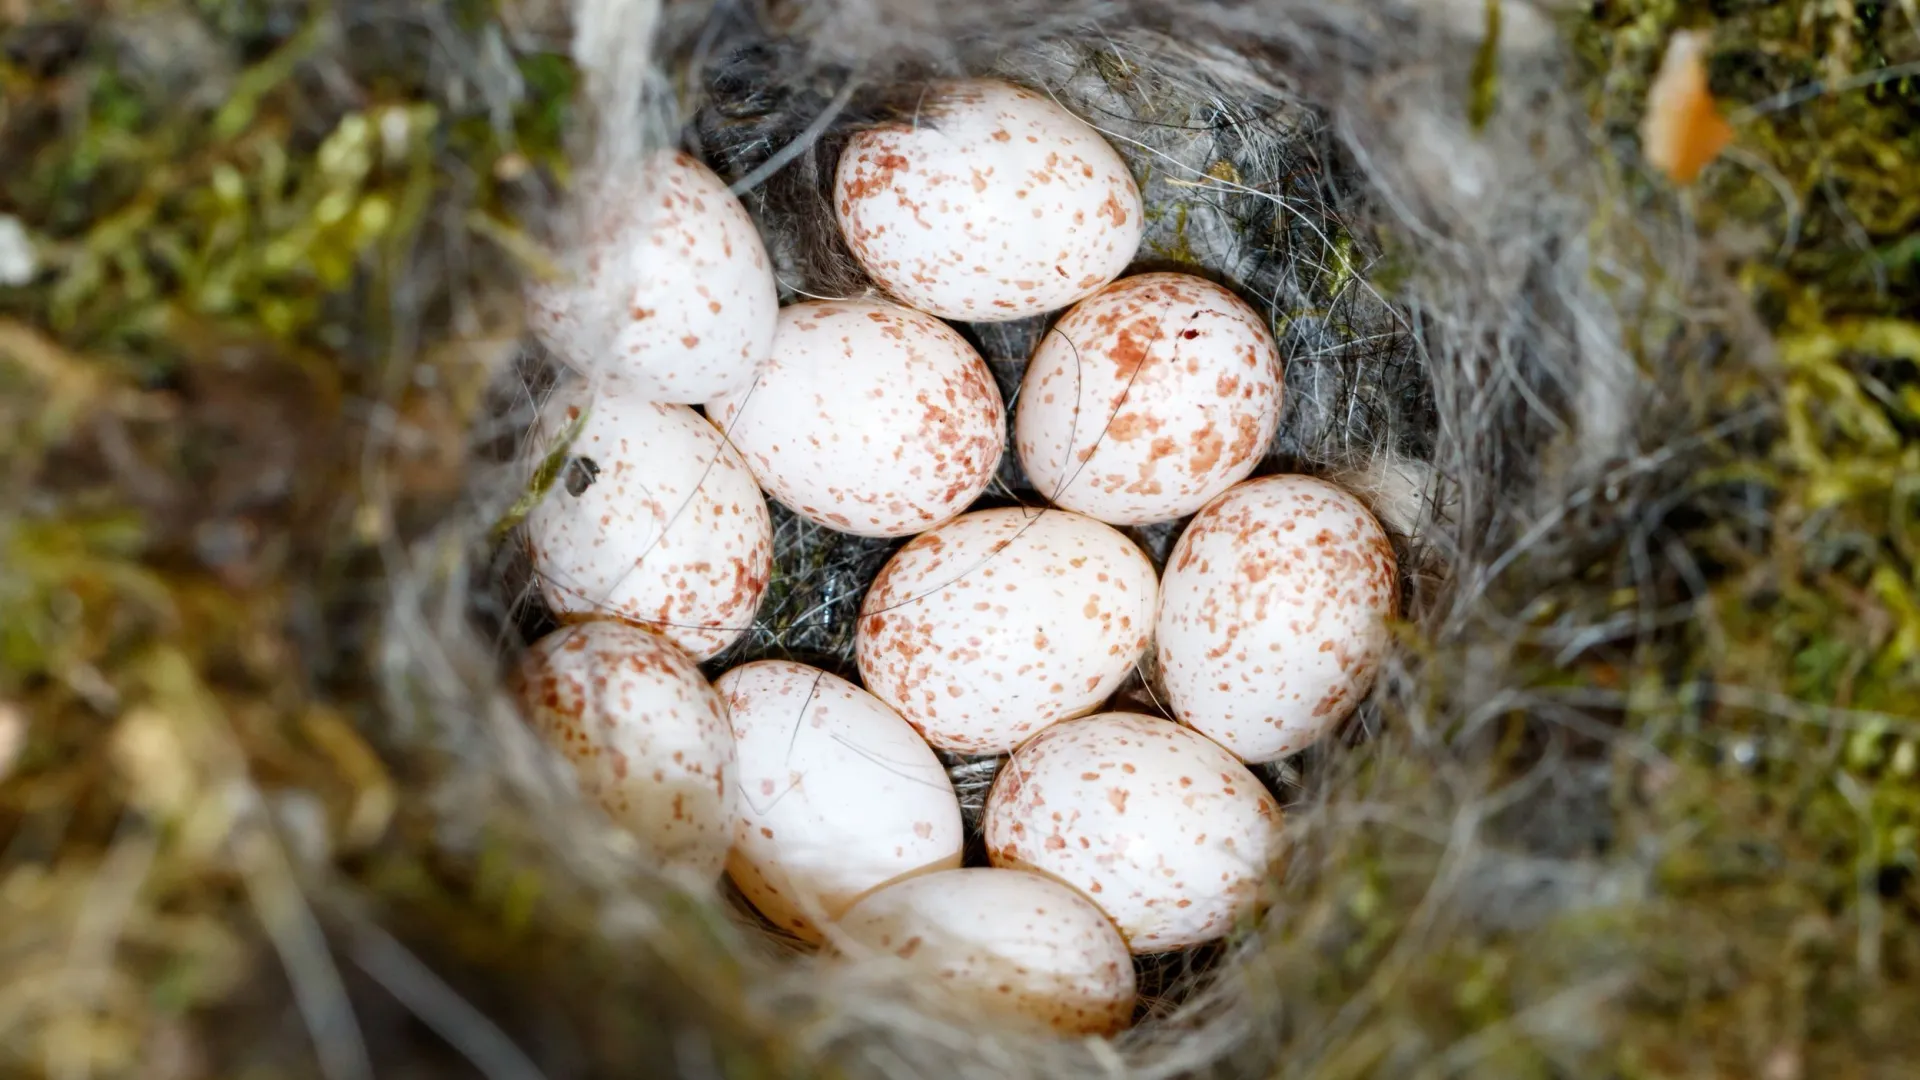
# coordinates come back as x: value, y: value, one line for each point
x: 870, y: 418
x: 646, y: 735
x: 995, y: 203
x: 1273, y: 614
x: 1000, y: 622
x: 838, y: 796
x: 669, y: 294
x: 653, y: 518
x: 1015, y: 947
x: 1148, y: 399
x: 1159, y: 826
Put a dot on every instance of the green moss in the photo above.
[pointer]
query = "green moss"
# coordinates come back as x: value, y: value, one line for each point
x: 1485, y: 79
x: 1786, y: 808
x: 556, y: 460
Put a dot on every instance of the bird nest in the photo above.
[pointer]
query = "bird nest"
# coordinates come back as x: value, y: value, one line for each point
x: 1636, y: 793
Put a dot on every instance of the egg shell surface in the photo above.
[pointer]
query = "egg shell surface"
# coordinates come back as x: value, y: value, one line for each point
x: 838, y: 796
x: 870, y: 418
x: 669, y: 294
x: 1000, y: 622
x: 995, y: 204
x: 1158, y: 825
x: 647, y: 736
x: 1148, y: 399
x: 1019, y: 947
x: 653, y: 519
x: 1273, y: 614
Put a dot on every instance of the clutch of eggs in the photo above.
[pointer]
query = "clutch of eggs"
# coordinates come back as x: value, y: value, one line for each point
x: 995, y: 203
x: 670, y: 295
x: 870, y: 418
x: 991, y: 631
x: 653, y: 519
x: 1000, y: 622
x: 838, y: 796
x: 1273, y: 614
x: 647, y: 736
x: 1148, y: 399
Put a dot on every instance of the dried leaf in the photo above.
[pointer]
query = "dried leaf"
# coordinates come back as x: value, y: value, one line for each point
x: 1684, y: 130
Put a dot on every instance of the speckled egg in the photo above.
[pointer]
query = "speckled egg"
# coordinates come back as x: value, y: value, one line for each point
x: 994, y: 204
x: 653, y: 519
x: 1017, y: 947
x: 1158, y: 825
x: 646, y: 735
x: 1273, y: 614
x: 837, y: 795
x: 1149, y: 398
x: 669, y: 295
x: 870, y: 418
x: 1000, y: 622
